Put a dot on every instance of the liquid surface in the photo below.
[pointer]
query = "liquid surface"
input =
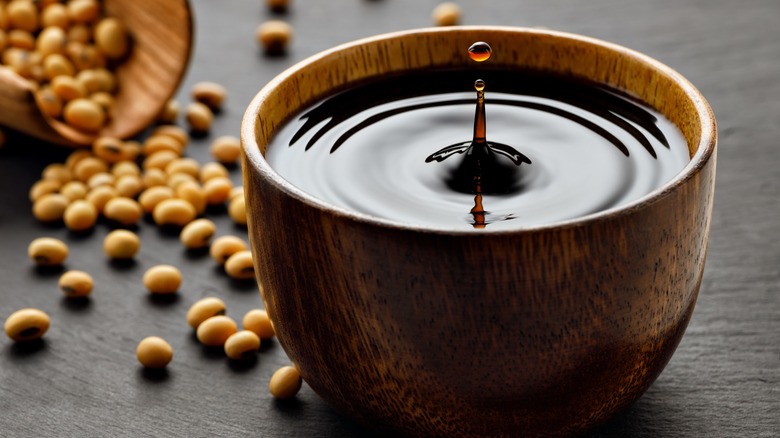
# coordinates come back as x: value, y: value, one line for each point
x: 365, y: 149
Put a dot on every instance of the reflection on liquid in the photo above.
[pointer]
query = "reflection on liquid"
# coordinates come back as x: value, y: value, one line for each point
x: 591, y: 149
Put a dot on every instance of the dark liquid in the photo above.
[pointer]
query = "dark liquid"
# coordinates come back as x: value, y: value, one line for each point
x: 589, y: 149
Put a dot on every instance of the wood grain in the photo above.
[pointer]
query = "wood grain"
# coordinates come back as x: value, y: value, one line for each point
x: 548, y: 330
x: 161, y: 44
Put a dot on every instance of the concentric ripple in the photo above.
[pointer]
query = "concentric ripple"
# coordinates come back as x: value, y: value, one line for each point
x: 364, y: 149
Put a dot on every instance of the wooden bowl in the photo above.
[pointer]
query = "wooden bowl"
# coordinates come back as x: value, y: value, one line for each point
x: 162, y: 33
x: 544, y: 330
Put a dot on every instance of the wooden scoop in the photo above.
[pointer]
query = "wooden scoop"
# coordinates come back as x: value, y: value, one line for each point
x: 161, y: 33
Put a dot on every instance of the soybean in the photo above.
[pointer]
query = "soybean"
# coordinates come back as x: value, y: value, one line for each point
x: 74, y: 190
x: 154, y: 195
x: 199, y: 117
x: 111, y: 38
x: 47, y: 251
x: 129, y: 186
x: 153, y: 177
x: 159, y: 160
x: 190, y: 166
x: 124, y: 211
x: 224, y: 247
x: 80, y: 215
x: 274, y: 36
x: 242, y: 345
x: 88, y: 166
x: 197, y: 234
x: 58, y: 172
x: 214, y: 331
x: 226, y: 149
x: 446, y: 14
x: 257, y: 321
x: 237, y: 210
x: 175, y: 132
x: 109, y: 149
x: 50, y: 207
x: 176, y: 212
x: 240, y: 266
x: 210, y: 94
x: 285, y: 383
x: 124, y: 168
x: 99, y: 197
x: 100, y: 179
x: 84, y: 114
x: 217, y: 190
x: 121, y: 244
x: 193, y: 193
x: 43, y: 187
x: 212, y: 170
x: 154, y: 352
x: 170, y: 112
x: 204, y: 309
x: 162, y: 279
x: 76, y: 284
x: 27, y: 324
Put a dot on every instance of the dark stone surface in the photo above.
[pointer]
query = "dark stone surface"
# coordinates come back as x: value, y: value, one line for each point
x: 83, y: 379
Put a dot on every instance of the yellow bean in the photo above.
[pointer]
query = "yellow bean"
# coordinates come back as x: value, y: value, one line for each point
x: 74, y: 190
x: 124, y: 211
x: 159, y: 142
x: 22, y: 15
x: 99, y: 197
x: 204, y: 309
x: 217, y: 190
x: 121, y: 244
x: 162, y: 279
x: 177, y: 212
x: 27, y: 325
x: 177, y: 178
x: 47, y: 251
x: 80, y: 215
x: 152, y: 196
x: 240, y: 266
x: 100, y: 179
x: 237, y: 211
x: 57, y: 172
x: 274, y: 36
x: 129, y: 186
x: 285, y: 383
x: 76, y: 284
x: 83, y: 11
x: 189, y: 166
x: 55, y: 15
x: 105, y: 101
x: 193, y: 193
x: 43, y: 187
x: 159, y: 160
x: 154, y: 352
x: 210, y: 94
x: 224, y: 247
x: 124, y: 168
x: 226, y: 149
x: 21, y: 39
x: 199, y: 117
x: 446, y: 14
x: 56, y: 64
x: 175, y: 132
x: 197, y: 234
x: 257, y: 320
x: 214, y: 331
x: 49, y: 103
x: 84, y: 114
x: 212, y: 170
x: 170, y: 112
x: 242, y: 345
x: 111, y: 38
x: 88, y: 166
x: 50, y: 207
x: 154, y: 177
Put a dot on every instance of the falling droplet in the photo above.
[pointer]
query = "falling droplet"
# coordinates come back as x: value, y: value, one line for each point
x: 479, y: 85
x: 480, y: 51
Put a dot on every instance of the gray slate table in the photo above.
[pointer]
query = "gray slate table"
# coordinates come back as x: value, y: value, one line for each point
x: 724, y: 380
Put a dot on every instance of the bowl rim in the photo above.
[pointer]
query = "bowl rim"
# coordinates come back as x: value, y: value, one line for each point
x: 704, y: 152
